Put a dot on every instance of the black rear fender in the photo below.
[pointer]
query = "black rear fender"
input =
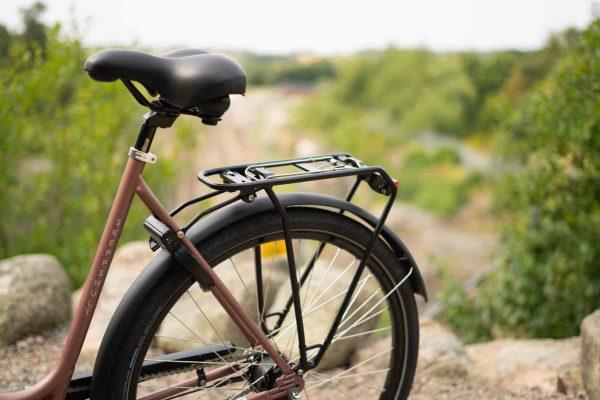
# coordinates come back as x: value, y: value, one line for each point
x: 164, y: 263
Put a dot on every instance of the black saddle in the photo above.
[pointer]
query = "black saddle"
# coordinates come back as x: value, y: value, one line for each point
x: 185, y: 78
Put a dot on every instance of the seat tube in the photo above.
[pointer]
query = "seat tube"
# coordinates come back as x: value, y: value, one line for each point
x: 103, y: 259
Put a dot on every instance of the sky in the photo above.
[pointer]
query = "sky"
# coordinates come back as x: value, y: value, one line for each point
x: 317, y: 26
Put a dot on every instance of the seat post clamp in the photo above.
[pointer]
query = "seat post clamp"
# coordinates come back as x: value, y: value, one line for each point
x: 142, y: 156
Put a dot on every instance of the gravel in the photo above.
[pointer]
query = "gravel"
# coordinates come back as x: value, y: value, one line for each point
x: 469, y: 389
x: 28, y: 360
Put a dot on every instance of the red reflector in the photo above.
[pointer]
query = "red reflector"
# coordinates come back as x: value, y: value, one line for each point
x: 395, y: 183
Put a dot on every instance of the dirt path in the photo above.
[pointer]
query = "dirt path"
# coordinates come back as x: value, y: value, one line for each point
x: 440, y: 244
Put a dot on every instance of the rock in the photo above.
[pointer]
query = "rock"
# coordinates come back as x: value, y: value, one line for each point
x: 130, y: 259
x: 590, y: 354
x: 321, y: 309
x: 34, y: 296
x: 548, y: 365
x: 441, y: 353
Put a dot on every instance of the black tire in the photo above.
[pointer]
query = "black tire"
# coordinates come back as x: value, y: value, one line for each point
x: 344, y: 232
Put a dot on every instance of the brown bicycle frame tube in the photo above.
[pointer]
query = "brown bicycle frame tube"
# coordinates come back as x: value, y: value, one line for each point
x: 185, y: 385
x: 55, y: 385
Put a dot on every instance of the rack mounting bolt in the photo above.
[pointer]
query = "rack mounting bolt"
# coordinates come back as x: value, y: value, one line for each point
x: 180, y: 234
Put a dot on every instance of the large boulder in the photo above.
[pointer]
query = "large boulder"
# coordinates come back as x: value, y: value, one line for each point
x: 34, y: 296
x: 187, y: 327
x: 590, y: 354
x: 441, y: 353
x: 546, y: 365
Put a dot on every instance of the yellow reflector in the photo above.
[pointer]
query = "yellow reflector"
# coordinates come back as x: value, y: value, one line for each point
x: 272, y: 249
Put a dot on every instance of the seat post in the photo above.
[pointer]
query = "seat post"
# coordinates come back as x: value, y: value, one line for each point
x: 150, y: 122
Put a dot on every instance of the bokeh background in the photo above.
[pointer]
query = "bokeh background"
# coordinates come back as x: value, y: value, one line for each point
x: 487, y: 113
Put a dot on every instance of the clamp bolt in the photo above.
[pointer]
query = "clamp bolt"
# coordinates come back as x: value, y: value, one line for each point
x: 180, y: 234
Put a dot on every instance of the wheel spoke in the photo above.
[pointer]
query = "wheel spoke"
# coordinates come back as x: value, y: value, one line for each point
x: 387, y: 328
x: 377, y: 372
x: 355, y: 296
x: 364, y: 303
x: 199, y: 338
x: 378, y: 303
x: 387, y: 351
x: 332, y: 283
x: 324, y: 276
x: 206, y: 317
x: 308, y: 312
x: 239, y: 276
x: 209, y: 343
x: 367, y: 319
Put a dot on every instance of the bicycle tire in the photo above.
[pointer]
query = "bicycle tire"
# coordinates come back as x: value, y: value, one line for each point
x: 121, y: 381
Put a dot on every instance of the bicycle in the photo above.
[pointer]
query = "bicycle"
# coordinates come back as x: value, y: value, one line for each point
x: 369, y: 276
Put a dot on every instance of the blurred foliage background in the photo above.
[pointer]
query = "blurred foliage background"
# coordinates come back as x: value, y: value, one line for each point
x: 549, y: 275
x: 62, y: 145
x: 519, y: 127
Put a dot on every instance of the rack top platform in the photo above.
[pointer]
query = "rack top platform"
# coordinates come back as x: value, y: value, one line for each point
x: 259, y: 175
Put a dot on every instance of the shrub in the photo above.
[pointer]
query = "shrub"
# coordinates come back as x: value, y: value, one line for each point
x: 63, y: 144
x: 434, y: 180
x: 549, y: 277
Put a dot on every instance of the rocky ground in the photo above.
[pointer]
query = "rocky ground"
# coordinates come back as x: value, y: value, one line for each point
x: 446, y: 368
x: 503, y: 369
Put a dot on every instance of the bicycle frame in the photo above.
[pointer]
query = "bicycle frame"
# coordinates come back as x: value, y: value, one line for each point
x: 56, y: 384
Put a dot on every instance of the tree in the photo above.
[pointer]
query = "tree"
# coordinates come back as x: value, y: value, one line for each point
x: 5, y: 41
x: 34, y: 31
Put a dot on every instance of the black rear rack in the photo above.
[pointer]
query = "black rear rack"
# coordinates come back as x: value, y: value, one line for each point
x: 246, y: 180
x: 251, y: 178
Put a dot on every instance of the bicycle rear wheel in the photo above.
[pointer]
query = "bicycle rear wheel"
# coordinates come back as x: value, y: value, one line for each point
x: 374, y: 351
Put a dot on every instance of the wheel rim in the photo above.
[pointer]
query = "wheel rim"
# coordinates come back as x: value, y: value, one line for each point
x: 375, y: 368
